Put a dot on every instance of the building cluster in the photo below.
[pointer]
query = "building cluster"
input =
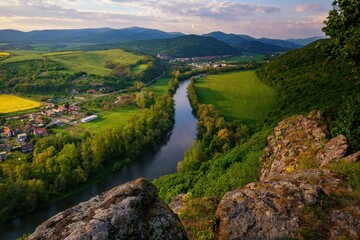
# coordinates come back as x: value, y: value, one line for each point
x: 194, y: 59
x: 16, y: 133
x: 203, y: 65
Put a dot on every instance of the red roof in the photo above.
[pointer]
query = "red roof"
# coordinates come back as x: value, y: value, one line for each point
x: 7, y: 130
x: 40, y: 132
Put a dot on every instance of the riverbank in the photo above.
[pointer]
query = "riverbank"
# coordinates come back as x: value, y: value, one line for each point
x: 151, y: 165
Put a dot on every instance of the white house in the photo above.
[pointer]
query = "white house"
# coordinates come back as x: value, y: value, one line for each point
x: 89, y: 118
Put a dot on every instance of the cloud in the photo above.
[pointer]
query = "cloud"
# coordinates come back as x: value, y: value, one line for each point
x: 199, y: 8
x: 309, y: 7
x: 188, y: 16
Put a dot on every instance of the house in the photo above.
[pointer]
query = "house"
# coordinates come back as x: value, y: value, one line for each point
x: 40, y: 132
x: 62, y: 109
x: 33, y: 115
x: 89, y: 118
x: 8, y: 132
x: 50, y: 113
x: 92, y: 91
x: 27, y: 148
x: 21, y: 137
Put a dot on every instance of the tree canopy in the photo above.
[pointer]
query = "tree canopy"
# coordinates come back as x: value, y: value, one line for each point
x: 343, y: 27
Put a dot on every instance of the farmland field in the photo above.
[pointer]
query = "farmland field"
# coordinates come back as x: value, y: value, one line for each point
x: 92, y: 62
x: 238, y: 95
x: 109, y: 119
x: 10, y: 103
x: 4, y: 54
x: 159, y: 87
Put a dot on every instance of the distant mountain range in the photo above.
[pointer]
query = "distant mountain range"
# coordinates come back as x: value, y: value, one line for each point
x: 152, y: 41
x: 96, y: 35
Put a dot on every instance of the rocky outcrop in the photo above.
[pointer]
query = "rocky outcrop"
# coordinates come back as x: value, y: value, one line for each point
x: 268, y: 209
x: 129, y: 211
x: 295, y: 186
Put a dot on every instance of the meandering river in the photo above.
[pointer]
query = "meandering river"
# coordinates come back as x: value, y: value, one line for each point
x: 160, y: 162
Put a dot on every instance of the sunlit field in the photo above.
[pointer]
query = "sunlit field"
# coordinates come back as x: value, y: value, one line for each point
x: 10, y: 103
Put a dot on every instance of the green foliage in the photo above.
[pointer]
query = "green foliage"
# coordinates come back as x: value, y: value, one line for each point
x: 343, y: 26
x: 198, y: 217
x: 144, y: 99
x: 218, y: 175
x: 350, y: 171
x: 306, y: 79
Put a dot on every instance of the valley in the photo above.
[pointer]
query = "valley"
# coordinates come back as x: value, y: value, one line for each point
x: 238, y: 136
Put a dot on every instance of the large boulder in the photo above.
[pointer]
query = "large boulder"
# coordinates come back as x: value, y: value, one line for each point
x: 129, y: 211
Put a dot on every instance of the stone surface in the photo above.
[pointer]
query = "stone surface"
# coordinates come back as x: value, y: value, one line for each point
x: 129, y: 211
x: 294, y: 177
x: 292, y: 140
x: 334, y: 150
x: 269, y: 209
x: 355, y: 157
x: 345, y: 222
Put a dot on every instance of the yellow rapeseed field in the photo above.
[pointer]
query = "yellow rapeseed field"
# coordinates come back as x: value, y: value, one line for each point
x: 11, y: 103
x: 4, y: 54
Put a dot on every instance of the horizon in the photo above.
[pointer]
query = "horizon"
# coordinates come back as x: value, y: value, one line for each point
x: 258, y: 18
x: 201, y: 34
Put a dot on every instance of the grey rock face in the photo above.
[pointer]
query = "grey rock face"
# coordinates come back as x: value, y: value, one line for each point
x: 129, y: 211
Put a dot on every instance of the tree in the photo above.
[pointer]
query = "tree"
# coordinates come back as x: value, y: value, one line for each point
x: 343, y: 27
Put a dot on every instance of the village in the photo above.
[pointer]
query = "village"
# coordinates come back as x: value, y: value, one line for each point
x: 19, y: 133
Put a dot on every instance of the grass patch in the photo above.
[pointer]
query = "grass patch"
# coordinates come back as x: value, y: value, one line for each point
x: 160, y: 86
x: 11, y: 103
x: 238, y: 95
x: 246, y: 58
x: 108, y: 119
x: 139, y: 68
x: 350, y: 171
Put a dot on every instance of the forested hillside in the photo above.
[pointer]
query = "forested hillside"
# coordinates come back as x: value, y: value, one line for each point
x: 184, y: 46
x: 309, y: 79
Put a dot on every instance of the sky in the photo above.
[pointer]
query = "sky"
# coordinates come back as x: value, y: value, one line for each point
x: 281, y: 19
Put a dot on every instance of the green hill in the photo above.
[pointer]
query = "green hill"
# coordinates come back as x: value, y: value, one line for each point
x: 182, y: 47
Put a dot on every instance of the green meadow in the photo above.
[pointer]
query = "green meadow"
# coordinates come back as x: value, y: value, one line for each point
x: 108, y: 119
x: 160, y: 86
x: 238, y: 95
x: 92, y: 62
x: 139, y: 68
